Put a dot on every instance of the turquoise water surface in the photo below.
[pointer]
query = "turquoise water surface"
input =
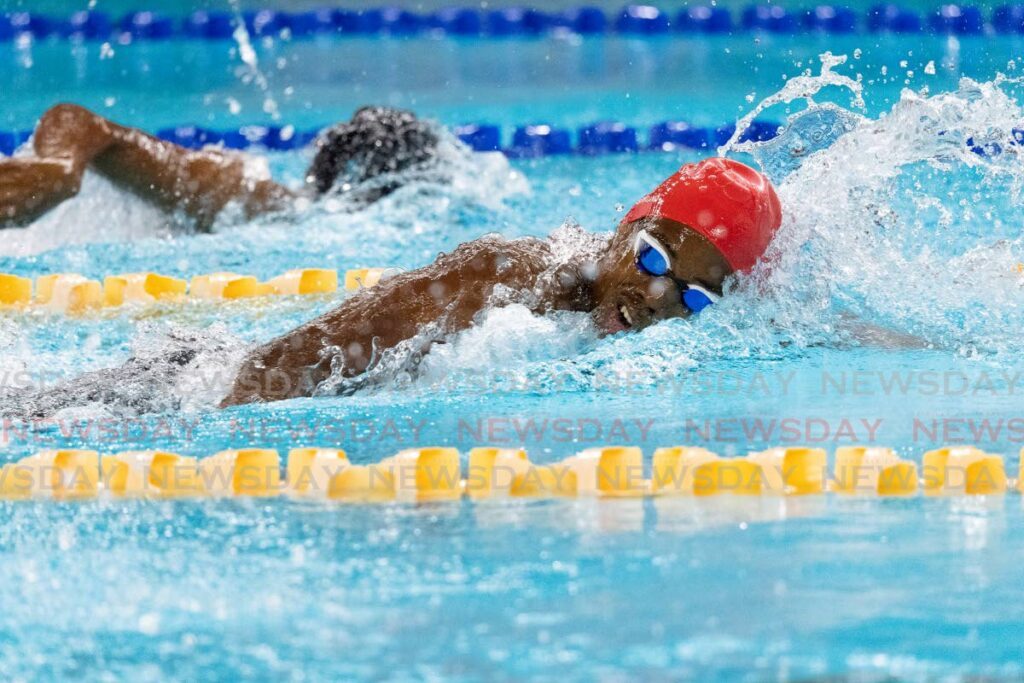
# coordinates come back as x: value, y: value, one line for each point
x: 895, y: 228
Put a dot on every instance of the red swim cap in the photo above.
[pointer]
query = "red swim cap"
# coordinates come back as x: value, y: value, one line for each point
x: 731, y: 204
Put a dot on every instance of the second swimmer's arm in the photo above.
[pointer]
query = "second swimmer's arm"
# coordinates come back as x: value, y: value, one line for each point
x: 450, y: 292
x: 70, y: 139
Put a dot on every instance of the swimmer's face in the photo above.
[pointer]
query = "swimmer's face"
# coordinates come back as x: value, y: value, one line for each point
x: 628, y: 299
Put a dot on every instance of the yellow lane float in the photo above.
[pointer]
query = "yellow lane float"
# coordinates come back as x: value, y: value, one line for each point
x: 68, y: 293
x: 542, y: 481
x: 141, y: 288
x: 875, y: 470
x: 429, y: 474
x: 1020, y: 473
x: 791, y: 471
x: 962, y: 470
x: 697, y: 471
x: 362, y: 484
x: 151, y: 473
x: 71, y: 293
x: 15, y: 291
x: 224, y: 286
x: 361, y: 278
x: 305, y: 281
x: 60, y: 474
x: 310, y: 470
x: 492, y: 471
x: 425, y: 473
x: 609, y: 471
x: 244, y: 472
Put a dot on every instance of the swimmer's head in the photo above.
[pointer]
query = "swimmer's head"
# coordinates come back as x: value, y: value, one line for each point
x: 672, y: 252
x: 376, y: 142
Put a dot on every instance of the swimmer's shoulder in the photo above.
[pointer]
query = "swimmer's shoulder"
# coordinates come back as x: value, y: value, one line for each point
x: 499, y: 253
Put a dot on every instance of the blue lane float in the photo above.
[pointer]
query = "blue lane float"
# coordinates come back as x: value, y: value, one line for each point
x: 311, y: 23
x: 363, y: 22
x: 18, y: 23
x: 583, y: 20
x: 957, y: 19
x: 703, y: 19
x: 893, y: 19
x: 607, y: 137
x: 771, y: 18
x: 469, y: 21
x: 539, y: 140
x: 673, y: 135
x: 210, y: 25
x: 458, y: 21
x: 265, y: 22
x: 89, y: 25
x: 1008, y: 19
x: 830, y: 19
x: 528, y: 142
x: 148, y: 26
x: 276, y: 138
x: 642, y: 19
x: 480, y: 137
x: 12, y: 140
x: 190, y: 137
x: 399, y: 22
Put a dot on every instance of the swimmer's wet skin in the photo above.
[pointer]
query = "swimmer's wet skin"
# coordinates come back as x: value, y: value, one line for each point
x: 668, y: 258
x: 69, y: 140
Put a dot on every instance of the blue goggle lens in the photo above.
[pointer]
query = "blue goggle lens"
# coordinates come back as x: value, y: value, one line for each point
x: 696, y: 300
x: 650, y: 261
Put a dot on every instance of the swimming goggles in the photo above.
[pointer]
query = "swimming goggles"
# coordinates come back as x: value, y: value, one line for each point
x: 652, y: 259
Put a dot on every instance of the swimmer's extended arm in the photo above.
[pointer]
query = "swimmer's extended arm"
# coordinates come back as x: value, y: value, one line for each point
x: 69, y: 139
x: 450, y: 293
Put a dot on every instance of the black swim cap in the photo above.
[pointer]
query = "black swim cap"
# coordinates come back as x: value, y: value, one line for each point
x: 376, y: 141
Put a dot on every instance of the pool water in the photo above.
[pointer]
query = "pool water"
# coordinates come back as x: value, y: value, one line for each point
x: 897, y: 227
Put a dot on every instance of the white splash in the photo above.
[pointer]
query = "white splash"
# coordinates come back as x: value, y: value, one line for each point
x: 252, y: 73
x: 900, y: 220
x: 804, y: 87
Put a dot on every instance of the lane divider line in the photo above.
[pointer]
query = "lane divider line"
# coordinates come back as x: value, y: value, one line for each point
x: 529, y: 141
x: 437, y: 474
x: 74, y: 294
x: 634, y: 21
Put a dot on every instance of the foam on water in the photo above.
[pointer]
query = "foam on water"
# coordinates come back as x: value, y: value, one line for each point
x: 100, y: 213
x: 900, y: 223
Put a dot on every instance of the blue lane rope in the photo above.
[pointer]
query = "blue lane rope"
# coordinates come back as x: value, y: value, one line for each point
x: 528, y: 142
x: 632, y: 20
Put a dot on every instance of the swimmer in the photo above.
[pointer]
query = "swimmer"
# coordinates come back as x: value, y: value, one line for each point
x: 668, y: 258
x: 69, y: 140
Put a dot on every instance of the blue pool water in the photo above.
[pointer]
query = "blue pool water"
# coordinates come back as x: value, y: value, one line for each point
x: 892, y: 228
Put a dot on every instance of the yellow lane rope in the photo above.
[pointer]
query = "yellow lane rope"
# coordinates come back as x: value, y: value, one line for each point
x: 441, y: 473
